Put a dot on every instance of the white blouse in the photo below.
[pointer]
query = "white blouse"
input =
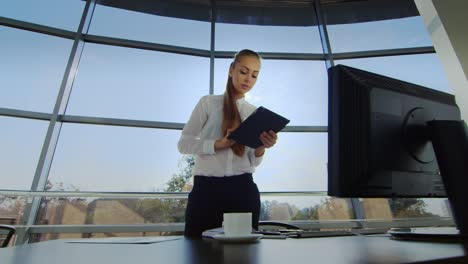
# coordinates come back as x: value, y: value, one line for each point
x: 203, y: 129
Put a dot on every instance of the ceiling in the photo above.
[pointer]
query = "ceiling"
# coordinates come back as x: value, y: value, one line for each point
x: 272, y: 12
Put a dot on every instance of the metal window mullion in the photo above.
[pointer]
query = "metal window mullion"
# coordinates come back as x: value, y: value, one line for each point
x: 323, y: 35
x: 144, y: 45
x: 120, y: 122
x: 383, y: 53
x: 275, y: 55
x: 357, y: 209
x: 163, y: 125
x: 318, y: 129
x: 149, y: 195
x: 212, y: 45
x: 62, y: 100
x: 123, y: 228
x: 24, y: 114
x: 23, y: 25
x: 53, y: 131
x: 127, y: 122
x: 383, y: 224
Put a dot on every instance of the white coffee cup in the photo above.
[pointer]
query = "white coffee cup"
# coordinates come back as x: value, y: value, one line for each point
x: 237, y: 224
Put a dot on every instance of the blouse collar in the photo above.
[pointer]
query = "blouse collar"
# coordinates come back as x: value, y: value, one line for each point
x: 240, y: 100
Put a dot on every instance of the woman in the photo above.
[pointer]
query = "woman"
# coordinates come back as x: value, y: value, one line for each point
x: 223, y: 169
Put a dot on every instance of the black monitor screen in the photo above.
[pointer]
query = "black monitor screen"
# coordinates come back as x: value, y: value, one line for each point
x: 378, y: 144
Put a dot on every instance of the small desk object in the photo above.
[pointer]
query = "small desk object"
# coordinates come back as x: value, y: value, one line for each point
x: 342, y: 250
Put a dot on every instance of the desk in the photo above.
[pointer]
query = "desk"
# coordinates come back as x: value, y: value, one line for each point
x: 349, y: 249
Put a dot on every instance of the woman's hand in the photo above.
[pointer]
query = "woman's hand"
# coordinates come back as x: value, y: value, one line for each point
x: 268, y: 139
x: 224, y: 142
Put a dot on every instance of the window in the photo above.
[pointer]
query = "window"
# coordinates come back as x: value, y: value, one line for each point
x: 267, y: 27
x: 235, y: 37
x: 108, y: 158
x: 11, y: 209
x: 298, y: 162
x: 121, y: 23
x: 425, y: 69
x: 64, y: 14
x: 381, y: 208
x: 295, y: 89
x: 110, y: 211
x: 305, y: 208
x: 138, y: 84
x: 32, y: 69
x: 386, y: 34
x: 129, y: 83
x: 21, y: 143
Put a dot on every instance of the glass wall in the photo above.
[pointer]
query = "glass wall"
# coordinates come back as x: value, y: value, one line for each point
x: 108, y: 211
x: 11, y: 209
x: 21, y: 143
x: 406, y: 32
x: 117, y: 82
x: 410, y: 68
x: 31, y: 73
x: 63, y: 14
x: 114, y: 159
x: 294, y: 88
x: 144, y: 26
x: 234, y: 37
x: 402, y: 208
x: 137, y: 79
x: 306, y: 208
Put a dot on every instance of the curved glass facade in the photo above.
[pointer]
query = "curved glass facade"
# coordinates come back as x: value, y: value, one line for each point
x: 91, y: 118
x: 32, y: 69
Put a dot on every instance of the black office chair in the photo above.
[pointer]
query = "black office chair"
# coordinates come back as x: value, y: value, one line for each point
x: 6, y: 234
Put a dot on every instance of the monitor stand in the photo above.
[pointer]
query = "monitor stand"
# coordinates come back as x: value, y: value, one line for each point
x: 450, y: 142
x: 430, y: 234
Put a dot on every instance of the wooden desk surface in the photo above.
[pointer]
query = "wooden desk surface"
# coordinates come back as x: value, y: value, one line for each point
x: 349, y: 249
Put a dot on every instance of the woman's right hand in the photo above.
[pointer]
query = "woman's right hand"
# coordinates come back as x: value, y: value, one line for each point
x: 224, y: 142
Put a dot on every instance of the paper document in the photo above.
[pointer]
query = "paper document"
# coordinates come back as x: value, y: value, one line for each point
x: 124, y: 240
x: 212, y: 232
x: 219, y: 231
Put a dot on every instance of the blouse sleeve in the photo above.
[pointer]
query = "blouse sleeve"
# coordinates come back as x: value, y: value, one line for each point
x: 190, y: 141
x: 255, y: 161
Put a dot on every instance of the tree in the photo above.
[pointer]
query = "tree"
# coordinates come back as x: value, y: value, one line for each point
x: 265, y: 212
x: 408, y: 207
x: 168, y: 210
x: 309, y: 213
x: 178, y: 182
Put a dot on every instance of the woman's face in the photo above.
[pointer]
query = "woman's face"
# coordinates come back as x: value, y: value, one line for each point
x: 244, y: 74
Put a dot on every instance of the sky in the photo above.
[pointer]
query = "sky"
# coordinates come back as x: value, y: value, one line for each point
x: 116, y: 82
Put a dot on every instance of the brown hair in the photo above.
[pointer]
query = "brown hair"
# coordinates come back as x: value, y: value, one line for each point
x: 231, y: 116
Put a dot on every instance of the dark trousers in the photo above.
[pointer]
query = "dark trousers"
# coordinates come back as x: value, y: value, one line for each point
x: 211, y: 197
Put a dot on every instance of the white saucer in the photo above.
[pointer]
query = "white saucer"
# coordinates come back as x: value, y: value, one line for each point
x: 237, y: 239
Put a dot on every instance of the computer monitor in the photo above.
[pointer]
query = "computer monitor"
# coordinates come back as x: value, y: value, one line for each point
x: 380, y: 138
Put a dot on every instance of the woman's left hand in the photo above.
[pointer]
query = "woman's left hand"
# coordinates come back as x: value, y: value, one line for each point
x: 268, y: 138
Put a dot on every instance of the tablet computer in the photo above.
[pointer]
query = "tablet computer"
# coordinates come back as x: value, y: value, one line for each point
x: 262, y: 119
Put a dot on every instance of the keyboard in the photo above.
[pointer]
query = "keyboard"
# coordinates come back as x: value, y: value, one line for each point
x: 330, y: 233
x: 304, y: 233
